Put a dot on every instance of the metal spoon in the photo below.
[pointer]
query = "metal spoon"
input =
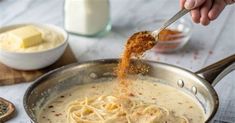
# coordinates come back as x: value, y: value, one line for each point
x: 178, y: 15
x: 151, y: 37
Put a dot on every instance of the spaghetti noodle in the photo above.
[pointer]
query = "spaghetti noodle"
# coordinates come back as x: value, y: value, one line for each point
x: 111, y: 109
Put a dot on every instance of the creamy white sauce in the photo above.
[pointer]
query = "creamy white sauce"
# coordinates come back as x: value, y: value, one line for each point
x: 147, y: 91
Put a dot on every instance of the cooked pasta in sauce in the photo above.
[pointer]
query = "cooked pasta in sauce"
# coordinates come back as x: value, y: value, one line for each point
x: 149, y: 102
x: 109, y: 109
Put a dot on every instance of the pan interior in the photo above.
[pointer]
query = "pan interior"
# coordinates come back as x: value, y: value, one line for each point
x: 65, y: 78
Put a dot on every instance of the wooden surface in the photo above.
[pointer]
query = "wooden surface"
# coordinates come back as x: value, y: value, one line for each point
x: 10, y: 76
x: 207, y: 45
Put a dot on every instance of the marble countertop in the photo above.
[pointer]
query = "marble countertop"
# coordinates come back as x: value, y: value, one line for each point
x: 207, y: 45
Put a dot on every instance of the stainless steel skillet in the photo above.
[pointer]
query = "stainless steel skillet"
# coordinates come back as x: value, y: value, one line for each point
x: 199, y: 84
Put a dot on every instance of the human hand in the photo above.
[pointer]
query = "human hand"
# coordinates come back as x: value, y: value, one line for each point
x: 204, y: 11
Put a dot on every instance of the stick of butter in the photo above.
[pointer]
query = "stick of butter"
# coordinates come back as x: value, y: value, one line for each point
x: 26, y: 36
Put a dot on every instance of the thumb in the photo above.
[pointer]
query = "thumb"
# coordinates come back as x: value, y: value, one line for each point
x: 191, y: 4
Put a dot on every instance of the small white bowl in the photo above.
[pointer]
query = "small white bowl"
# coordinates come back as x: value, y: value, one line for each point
x: 33, y: 60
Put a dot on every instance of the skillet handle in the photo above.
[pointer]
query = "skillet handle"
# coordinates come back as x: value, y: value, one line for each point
x: 215, y: 72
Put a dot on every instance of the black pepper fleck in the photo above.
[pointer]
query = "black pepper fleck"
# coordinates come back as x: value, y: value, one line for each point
x: 51, y: 106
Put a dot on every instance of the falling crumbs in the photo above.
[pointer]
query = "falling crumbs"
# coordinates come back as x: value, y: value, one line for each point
x: 136, y: 45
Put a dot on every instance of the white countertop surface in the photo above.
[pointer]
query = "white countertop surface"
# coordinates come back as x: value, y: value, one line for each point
x: 218, y: 38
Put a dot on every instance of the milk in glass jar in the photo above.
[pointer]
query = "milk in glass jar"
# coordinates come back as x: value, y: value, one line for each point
x: 87, y: 17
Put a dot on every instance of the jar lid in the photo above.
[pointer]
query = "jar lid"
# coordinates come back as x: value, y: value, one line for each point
x: 7, y: 110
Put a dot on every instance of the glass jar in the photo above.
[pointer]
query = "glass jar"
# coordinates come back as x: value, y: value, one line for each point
x: 87, y: 17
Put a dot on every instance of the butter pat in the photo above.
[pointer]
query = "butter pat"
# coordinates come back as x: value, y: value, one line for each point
x: 26, y: 36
